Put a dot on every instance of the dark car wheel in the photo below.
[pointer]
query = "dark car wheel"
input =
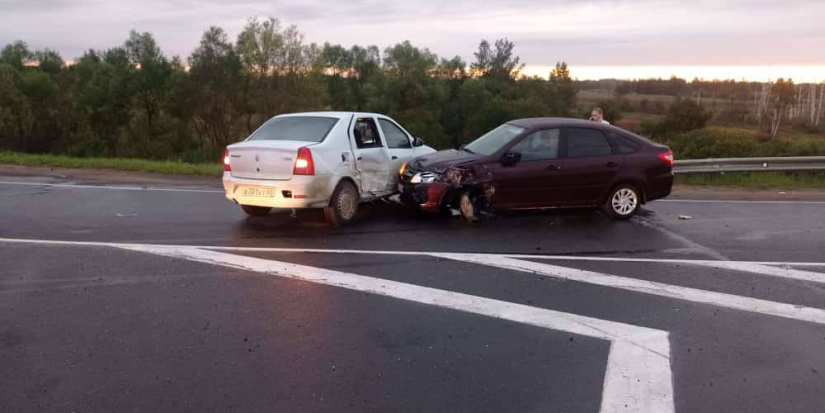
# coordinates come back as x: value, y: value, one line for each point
x: 623, y: 202
x: 343, y: 206
x: 256, y: 211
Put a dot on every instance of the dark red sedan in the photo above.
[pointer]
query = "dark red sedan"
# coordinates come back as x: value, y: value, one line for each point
x: 542, y: 163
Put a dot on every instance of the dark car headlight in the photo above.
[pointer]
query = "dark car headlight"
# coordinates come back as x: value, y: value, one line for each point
x: 424, y: 178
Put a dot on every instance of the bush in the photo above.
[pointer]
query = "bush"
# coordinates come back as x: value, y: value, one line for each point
x: 717, y: 142
x: 683, y: 116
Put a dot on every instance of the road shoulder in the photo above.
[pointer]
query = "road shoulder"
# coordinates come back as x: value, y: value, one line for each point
x: 148, y: 178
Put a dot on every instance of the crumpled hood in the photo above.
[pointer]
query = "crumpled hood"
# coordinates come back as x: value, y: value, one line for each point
x: 442, y: 160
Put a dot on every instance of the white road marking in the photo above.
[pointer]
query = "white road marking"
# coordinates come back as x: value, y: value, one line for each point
x: 117, y: 188
x: 709, y: 263
x: 740, y: 201
x: 638, y: 376
x: 754, y: 305
x: 622, y: 349
x: 768, y: 270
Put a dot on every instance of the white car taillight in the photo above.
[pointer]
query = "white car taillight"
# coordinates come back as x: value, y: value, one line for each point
x: 303, y: 163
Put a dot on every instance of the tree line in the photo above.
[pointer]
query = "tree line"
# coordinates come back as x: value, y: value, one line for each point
x: 132, y: 100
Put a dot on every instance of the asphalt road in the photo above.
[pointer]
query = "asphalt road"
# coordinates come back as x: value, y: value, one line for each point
x: 174, y: 301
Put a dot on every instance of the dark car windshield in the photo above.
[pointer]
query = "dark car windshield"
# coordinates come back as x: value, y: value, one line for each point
x: 495, y: 139
x: 295, y: 128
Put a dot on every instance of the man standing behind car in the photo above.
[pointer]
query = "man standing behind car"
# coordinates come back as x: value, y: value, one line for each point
x: 597, y: 115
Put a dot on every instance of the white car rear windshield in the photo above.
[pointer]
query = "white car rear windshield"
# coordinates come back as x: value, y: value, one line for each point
x: 295, y: 128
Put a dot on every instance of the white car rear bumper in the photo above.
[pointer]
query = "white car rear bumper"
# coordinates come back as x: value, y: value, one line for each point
x: 297, y: 192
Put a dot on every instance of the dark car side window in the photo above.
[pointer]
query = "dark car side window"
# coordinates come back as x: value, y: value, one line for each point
x: 624, y: 144
x: 540, y: 145
x: 366, y: 134
x: 582, y: 142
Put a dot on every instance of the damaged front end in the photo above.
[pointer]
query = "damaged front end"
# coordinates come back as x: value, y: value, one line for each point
x: 436, y: 191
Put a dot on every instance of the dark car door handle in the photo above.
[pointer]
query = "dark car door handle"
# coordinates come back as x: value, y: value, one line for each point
x: 358, y: 158
x: 394, y: 157
x: 553, y: 168
x: 612, y: 164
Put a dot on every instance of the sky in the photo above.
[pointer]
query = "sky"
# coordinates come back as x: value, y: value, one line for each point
x: 751, y: 39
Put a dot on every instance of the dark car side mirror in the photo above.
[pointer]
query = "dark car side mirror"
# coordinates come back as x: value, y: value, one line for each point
x: 418, y: 142
x: 510, y: 158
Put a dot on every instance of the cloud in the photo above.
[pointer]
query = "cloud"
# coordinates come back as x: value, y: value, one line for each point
x: 583, y: 32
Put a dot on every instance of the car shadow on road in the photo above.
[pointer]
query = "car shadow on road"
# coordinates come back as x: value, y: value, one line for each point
x: 384, y: 217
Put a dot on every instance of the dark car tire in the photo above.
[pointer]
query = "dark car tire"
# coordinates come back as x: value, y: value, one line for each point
x: 343, y: 206
x: 467, y: 205
x: 256, y: 211
x: 623, y: 202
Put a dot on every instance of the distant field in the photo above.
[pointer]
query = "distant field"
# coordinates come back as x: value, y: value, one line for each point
x: 634, y: 98
x: 599, y: 95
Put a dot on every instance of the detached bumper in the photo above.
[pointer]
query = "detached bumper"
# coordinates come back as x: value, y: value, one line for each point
x: 429, y: 197
x: 298, y: 192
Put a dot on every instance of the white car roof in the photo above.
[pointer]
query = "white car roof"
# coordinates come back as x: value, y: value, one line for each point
x: 339, y: 115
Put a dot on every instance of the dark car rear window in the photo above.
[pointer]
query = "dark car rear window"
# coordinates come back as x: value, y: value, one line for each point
x: 624, y: 144
x: 584, y: 142
x: 295, y: 128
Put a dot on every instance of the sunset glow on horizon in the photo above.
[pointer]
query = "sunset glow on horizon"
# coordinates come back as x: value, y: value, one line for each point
x: 751, y: 40
x: 799, y: 74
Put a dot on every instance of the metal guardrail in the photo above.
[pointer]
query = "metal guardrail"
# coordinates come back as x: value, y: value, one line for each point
x: 799, y: 163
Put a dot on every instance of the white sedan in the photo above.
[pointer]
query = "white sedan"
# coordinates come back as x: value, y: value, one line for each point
x: 330, y: 160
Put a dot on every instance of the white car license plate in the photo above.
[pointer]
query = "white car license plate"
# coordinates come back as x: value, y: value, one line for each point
x: 259, y: 192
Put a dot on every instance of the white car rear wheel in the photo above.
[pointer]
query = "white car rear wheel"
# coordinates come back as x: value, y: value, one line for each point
x: 343, y: 207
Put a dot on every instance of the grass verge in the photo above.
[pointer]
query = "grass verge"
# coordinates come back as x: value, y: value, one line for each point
x: 141, y: 165
x: 756, y: 180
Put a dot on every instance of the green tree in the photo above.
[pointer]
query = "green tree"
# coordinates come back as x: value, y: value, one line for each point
x: 259, y: 46
x: 410, y: 92
x: 14, y: 109
x: 564, y: 89
x: 215, y: 72
x: 40, y: 91
x: 150, y: 81
x: 624, y: 89
x: 15, y: 54
x: 337, y: 59
x: 684, y: 115
x: 302, y: 86
x: 498, y: 63
x: 454, y: 73
x: 49, y: 61
x: 782, y: 98
x: 103, y: 104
